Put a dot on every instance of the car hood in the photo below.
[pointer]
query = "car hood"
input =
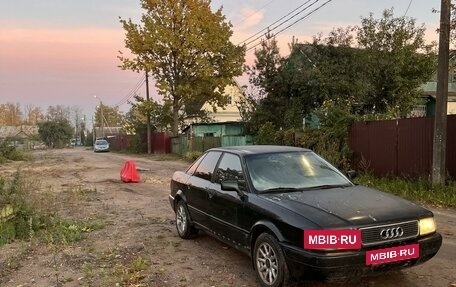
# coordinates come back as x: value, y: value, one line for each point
x: 353, y: 206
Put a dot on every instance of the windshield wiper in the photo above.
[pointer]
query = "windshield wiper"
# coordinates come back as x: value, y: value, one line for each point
x: 292, y: 189
x: 281, y: 189
x: 326, y: 186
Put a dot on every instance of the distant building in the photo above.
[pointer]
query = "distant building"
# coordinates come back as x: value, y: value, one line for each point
x: 230, y: 113
x: 106, y: 132
x: 23, y: 136
x: 218, y: 129
x: 203, y: 136
x: 427, y: 108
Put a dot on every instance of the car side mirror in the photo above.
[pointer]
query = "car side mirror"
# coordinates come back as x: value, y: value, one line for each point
x: 351, y: 174
x: 232, y: 185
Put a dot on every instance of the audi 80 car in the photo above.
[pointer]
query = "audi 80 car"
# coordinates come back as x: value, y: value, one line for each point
x: 297, y: 216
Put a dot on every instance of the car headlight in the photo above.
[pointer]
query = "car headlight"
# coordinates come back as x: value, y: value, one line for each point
x: 427, y: 225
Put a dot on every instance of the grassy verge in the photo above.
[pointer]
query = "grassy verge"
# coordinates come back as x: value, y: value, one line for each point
x: 8, y: 152
x: 419, y: 190
x: 34, y: 215
x: 30, y: 217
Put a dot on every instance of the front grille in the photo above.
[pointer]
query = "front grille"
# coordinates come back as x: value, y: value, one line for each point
x: 372, y: 235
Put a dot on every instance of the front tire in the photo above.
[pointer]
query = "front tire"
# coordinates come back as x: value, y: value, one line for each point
x: 269, y: 261
x: 183, y: 224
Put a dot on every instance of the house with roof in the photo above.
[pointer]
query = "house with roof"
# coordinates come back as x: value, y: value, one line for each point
x: 23, y: 136
x: 427, y: 108
x: 200, y: 137
x: 229, y: 113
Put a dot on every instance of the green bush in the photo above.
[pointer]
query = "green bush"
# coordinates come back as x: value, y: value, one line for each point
x: 34, y: 216
x: 266, y: 134
x: 10, y: 196
x: 192, y: 155
x: 330, y: 139
x: 26, y: 219
x: 8, y: 152
x: 137, y: 145
x: 7, y: 232
x: 269, y: 135
x: 56, y: 133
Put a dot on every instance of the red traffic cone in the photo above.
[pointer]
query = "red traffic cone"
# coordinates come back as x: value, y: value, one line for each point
x: 129, y: 172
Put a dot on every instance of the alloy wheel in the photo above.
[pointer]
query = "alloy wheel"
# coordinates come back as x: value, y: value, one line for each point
x: 267, y: 263
x: 181, y: 219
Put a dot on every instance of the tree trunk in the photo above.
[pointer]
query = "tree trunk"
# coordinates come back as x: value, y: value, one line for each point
x: 175, y: 125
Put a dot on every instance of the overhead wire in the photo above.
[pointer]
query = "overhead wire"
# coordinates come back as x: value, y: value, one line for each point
x: 133, y: 92
x: 269, y: 28
x: 256, y: 12
x: 294, y: 23
x: 142, y: 80
x: 408, y: 7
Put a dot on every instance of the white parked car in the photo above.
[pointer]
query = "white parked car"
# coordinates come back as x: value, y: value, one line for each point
x: 101, y: 145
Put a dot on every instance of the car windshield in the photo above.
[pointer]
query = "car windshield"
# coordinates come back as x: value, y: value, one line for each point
x: 101, y: 142
x: 292, y: 171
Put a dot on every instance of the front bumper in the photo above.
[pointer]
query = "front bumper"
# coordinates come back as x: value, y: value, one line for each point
x: 343, y: 264
x: 101, y: 149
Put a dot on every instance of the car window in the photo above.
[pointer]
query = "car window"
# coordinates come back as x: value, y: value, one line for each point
x: 230, y: 168
x: 195, y: 164
x: 101, y: 142
x: 207, y: 165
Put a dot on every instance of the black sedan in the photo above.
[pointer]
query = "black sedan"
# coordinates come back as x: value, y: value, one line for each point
x: 298, y: 216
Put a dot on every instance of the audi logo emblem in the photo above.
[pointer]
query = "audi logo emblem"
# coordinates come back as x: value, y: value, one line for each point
x: 390, y: 233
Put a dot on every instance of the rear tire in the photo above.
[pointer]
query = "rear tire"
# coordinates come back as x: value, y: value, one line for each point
x: 183, y: 223
x: 269, y: 262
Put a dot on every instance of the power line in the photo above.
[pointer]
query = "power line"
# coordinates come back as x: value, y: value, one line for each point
x: 277, y: 21
x: 142, y: 80
x: 256, y: 11
x: 133, y: 92
x: 284, y: 22
x: 294, y: 23
x: 410, y: 3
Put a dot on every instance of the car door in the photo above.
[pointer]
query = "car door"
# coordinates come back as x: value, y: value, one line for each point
x: 197, y: 189
x: 227, y: 206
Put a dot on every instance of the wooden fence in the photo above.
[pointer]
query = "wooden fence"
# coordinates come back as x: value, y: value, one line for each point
x: 181, y: 145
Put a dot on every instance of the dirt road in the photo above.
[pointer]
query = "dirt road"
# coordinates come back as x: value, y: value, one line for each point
x: 137, y: 244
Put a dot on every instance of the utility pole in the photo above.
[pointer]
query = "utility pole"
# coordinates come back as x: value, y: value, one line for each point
x: 77, y: 129
x: 102, y: 120
x: 102, y: 116
x: 149, y: 136
x: 94, y: 132
x: 440, y: 120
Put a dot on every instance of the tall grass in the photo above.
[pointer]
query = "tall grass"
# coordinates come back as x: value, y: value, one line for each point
x: 35, y: 215
x: 420, y: 190
x: 8, y: 152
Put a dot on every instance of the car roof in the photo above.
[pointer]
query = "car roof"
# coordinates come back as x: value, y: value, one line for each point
x: 258, y: 149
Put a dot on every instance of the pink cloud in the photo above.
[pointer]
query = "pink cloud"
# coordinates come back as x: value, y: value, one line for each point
x: 62, y: 66
x: 61, y: 49
x: 249, y: 18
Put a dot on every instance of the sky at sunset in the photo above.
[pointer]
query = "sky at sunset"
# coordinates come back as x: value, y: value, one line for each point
x: 62, y: 52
